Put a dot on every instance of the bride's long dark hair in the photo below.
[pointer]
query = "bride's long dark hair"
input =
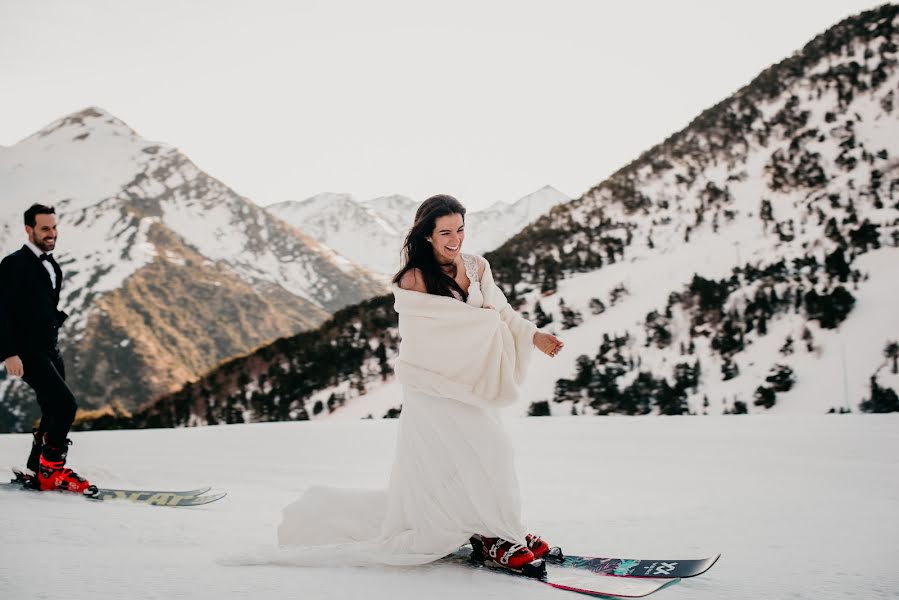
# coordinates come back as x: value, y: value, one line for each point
x: 418, y: 253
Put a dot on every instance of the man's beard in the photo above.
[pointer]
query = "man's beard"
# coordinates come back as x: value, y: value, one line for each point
x: 45, y: 245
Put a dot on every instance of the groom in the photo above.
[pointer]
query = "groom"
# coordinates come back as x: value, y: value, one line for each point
x: 30, y: 282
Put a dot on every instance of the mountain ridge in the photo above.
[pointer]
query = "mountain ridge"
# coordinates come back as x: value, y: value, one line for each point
x: 372, y: 232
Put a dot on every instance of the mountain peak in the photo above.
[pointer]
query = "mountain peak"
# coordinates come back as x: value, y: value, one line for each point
x: 92, y: 119
x: 533, y: 205
x: 330, y: 199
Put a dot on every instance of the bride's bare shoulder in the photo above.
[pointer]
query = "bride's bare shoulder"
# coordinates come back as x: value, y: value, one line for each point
x: 412, y: 280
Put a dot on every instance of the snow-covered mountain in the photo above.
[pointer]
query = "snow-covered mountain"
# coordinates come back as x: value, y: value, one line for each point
x: 168, y: 271
x: 361, y: 232
x: 749, y: 263
x: 487, y: 229
x: 371, y: 233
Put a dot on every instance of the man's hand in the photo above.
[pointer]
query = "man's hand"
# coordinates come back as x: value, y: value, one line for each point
x: 14, y: 366
x: 547, y: 343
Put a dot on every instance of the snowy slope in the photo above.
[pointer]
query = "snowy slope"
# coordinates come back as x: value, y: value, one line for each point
x: 168, y: 271
x: 799, y: 507
x: 371, y: 233
x: 835, y: 375
x: 692, y: 206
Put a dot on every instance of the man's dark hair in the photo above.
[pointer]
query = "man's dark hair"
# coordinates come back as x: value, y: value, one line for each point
x: 35, y: 210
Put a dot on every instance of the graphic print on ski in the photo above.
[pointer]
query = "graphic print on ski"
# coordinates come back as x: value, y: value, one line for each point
x: 631, y: 567
x: 574, y: 580
x: 152, y: 497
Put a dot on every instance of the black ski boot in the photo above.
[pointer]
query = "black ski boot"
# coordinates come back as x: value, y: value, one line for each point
x: 34, y: 459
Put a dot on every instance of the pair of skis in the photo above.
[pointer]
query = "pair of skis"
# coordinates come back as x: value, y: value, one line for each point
x: 599, y: 577
x: 195, y: 497
x: 594, y: 576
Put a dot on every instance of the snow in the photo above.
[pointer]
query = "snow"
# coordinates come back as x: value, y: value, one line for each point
x: 799, y: 507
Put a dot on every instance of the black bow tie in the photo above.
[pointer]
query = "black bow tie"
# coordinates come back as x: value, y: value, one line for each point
x: 46, y: 256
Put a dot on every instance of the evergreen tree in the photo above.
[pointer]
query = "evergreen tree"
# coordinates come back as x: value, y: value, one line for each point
x: 787, y: 347
x: 541, y: 319
x: 781, y: 378
x: 686, y: 376
x: 657, y: 330
x: 808, y: 339
x: 670, y: 401
x: 836, y: 265
x: 570, y: 317
x: 765, y: 212
x: 764, y: 396
x: 728, y: 339
x: 891, y: 352
x: 384, y: 367
x: 539, y: 409
x: 636, y: 397
x: 882, y: 400
x: 729, y: 369
x: 829, y: 309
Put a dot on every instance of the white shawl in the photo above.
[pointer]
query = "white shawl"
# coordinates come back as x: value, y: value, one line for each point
x: 451, y: 349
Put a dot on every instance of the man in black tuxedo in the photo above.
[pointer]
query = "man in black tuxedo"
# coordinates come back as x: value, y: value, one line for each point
x: 30, y: 283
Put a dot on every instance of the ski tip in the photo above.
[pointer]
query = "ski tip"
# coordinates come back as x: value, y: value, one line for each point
x: 703, y: 565
x: 633, y: 593
x: 201, y: 500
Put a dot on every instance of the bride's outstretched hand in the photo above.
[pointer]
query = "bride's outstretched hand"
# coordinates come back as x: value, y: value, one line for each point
x: 547, y: 343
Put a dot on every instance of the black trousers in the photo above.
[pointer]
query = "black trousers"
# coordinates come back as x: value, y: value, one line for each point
x: 46, y: 374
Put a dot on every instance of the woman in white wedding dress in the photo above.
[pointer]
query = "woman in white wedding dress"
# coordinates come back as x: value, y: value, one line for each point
x: 463, y: 354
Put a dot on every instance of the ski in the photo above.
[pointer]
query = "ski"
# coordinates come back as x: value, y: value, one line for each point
x: 153, y: 497
x: 574, y: 580
x: 629, y: 567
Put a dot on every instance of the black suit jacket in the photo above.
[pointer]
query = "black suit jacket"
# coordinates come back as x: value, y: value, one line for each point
x: 29, y: 318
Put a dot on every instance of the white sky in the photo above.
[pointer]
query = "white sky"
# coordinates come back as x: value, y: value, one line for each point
x: 485, y: 100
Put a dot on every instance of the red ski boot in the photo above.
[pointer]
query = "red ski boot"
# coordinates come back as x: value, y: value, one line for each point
x: 536, y: 545
x: 53, y: 474
x: 507, y: 554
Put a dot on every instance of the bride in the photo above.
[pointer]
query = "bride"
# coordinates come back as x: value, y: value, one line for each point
x: 463, y: 353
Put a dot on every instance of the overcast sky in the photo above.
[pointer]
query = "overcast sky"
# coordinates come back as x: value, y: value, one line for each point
x: 485, y: 100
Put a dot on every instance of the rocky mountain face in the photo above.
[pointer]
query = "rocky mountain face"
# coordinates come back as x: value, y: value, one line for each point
x: 168, y: 271
x: 747, y: 264
x: 372, y: 233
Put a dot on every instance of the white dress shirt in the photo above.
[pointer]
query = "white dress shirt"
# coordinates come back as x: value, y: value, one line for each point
x: 38, y: 252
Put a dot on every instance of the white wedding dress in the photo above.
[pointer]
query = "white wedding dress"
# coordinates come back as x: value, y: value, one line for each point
x: 453, y: 476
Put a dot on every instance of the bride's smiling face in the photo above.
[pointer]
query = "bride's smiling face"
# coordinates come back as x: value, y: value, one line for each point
x: 447, y: 237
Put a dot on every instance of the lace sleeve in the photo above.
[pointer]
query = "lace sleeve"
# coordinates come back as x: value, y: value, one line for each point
x: 472, y: 269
